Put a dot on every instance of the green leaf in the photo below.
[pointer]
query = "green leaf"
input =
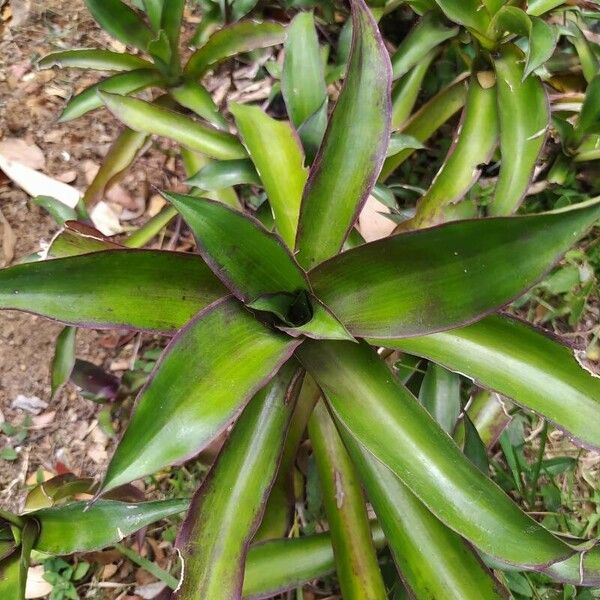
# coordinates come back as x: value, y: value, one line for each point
x: 390, y: 424
x: 121, y: 154
x: 228, y: 345
x: 517, y: 361
x: 8, y: 453
x: 121, y: 22
x: 78, y: 238
x: 81, y: 527
x: 122, y: 83
x: 312, y: 131
x: 542, y: 43
x: 54, y: 490
x: 469, y: 13
x: 154, y: 10
x: 59, y: 211
x: 278, y: 158
x: 446, y: 276
x: 103, y: 60
x: 356, y: 562
x: 221, y: 174
x: 539, y: 7
x: 524, y: 118
x: 250, y: 260
x: 489, y: 416
x: 151, y: 119
x: 402, y: 141
x: 227, y: 508
x: 434, y: 562
x: 427, y: 120
x: 590, y: 109
x: 229, y: 41
x: 12, y: 584
x: 440, y: 395
x: 281, y: 565
x: 473, y: 145
x: 303, y: 77
x: 64, y: 358
x: 430, y: 31
x: 195, y: 96
x: 148, y: 290
x: 406, y: 91
x: 474, y: 448
x: 171, y: 20
x: 353, y: 150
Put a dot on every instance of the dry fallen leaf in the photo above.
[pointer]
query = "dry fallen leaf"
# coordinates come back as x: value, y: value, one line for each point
x: 18, y: 150
x: 9, y: 240
x: 36, y: 587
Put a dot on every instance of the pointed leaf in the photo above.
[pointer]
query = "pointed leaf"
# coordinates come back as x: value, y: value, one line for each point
x: 469, y: 13
x: 123, y: 83
x: 434, y: 561
x: 473, y: 145
x: 277, y: 155
x: 312, y: 131
x: 64, y: 358
x: 79, y: 527
x: 103, y: 60
x: 224, y: 173
x: 303, y: 78
x: 121, y: 22
x: 229, y: 41
x: 353, y: 150
x: 430, y: 31
x: 516, y: 360
x: 589, y: 117
x: 251, y: 261
x: 227, y: 508
x: 59, y: 211
x: 542, y: 43
x: 78, y: 238
x: 524, y: 119
x: 228, y: 344
x: 356, y: 562
x: 148, y: 118
x: 196, y: 97
x: 123, y: 151
x: 384, y: 417
x: 149, y: 290
x: 442, y: 277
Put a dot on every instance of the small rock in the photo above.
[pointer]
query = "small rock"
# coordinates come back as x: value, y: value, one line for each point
x: 31, y: 404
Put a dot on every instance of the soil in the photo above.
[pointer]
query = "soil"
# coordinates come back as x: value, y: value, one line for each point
x: 65, y: 434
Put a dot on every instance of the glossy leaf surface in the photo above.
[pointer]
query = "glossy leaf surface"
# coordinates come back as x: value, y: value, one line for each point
x: 79, y: 527
x: 104, y: 60
x: 440, y: 395
x: 64, y: 358
x: 522, y: 363
x: 121, y: 154
x: 228, y: 344
x: 356, y: 562
x: 123, y: 83
x: 196, y: 97
x: 121, y: 22
x: 228, y: 506
x: 524, y: 118
x: 429, y: 32
x: 277, y: 155
x: 473, y: 145
x: 434, y: 561
x: 281, y: 565
x: 229, y: 41
x: 424, y: 281
x: 149, y: 118
x: 155, y: 291
x: 221, y: 174
x: 470, y: 13
x: 251, y: 261
x: 353, y: 150
x: 427, y: 120
x: 303, y: 78
x: 384, y: 418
